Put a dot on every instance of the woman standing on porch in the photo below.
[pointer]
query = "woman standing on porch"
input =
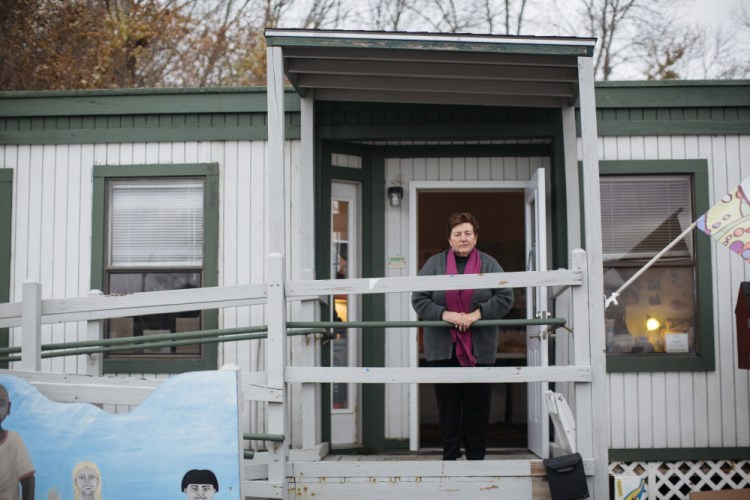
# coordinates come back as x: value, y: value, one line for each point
x: 463, y: 409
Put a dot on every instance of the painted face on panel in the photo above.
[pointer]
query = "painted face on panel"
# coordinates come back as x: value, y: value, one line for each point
x: 463, y: 239
x: 200, y: 491
x: 87, y: 481
x: 4, y: 403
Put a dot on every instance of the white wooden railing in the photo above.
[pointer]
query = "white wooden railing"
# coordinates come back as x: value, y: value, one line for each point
x: 272, y: 386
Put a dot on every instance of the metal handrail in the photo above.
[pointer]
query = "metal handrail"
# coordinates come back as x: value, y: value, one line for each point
x: 244, y: 333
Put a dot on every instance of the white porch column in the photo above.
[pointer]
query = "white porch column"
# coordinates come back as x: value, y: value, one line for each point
x: 275, y: 231
x: 94, y: 331
x: 572, y: 190
x: 275, y: 204
x: 31, y: 327
x: 306, y: 425
x: 597, y: 445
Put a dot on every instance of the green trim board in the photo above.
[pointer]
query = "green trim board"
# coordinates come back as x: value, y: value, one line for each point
x: 373, y: 305
x: 142, y: 128
x: 641, y: 128
x: 704, y: 359
x: 672, y: 94
x: 210, y: 172
x: 677, y: 454
x: 147, y: 101
x: 672, y: 107
x: 146, y: 115
x: 6, y: 231
x: 93, y: 136
x: 557, y: 189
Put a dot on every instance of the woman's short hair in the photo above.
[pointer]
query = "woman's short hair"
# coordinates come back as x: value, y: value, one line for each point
x: 460, y: 218
x: 199, y: 476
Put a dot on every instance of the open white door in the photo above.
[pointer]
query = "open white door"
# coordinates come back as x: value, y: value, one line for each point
x: 536, y: 307
x: 345, y: 350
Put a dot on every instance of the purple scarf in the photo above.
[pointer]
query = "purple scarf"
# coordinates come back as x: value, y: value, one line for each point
x: 460, y: 301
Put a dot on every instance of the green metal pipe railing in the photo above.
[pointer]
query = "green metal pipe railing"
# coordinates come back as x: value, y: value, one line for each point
x: 154, y: 341
x: 556, y: 322
x: 244, y: 333
x: 252, y: 436
x: 144, y: 339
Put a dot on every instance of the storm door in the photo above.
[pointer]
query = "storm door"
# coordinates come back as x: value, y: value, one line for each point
x: 345, y: 345
x: 536, y: 307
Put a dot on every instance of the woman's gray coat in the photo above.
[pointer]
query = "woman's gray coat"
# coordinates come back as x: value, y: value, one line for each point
x: 494, y: 304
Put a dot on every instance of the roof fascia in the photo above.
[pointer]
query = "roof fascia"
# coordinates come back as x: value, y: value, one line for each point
x: 563, y: 46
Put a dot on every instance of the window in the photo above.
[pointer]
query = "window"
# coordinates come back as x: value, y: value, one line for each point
x: 661, y: 320
x: 159, y: 233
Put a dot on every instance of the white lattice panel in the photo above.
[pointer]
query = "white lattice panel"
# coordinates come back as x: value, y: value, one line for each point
x: 675, y: 480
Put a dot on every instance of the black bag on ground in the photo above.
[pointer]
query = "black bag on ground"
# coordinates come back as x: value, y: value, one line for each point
x: 567, y: 480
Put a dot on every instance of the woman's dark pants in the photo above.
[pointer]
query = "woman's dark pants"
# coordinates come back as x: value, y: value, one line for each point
x: 464, y: 409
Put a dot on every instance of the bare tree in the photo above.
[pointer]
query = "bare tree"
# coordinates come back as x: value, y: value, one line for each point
x: 716, y: 56
x: 324, y: 14
x: 616, y: 24
x: 449, y: 16
x: 666, y: 50
x: 505, y: 16
x: 388, y: 15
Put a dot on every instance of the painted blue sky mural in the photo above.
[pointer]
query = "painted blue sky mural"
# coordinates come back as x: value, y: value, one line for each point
x: 189, y: 422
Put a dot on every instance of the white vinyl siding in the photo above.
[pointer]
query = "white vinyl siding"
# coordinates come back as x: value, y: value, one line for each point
x: 689, y: 409
x: 52, y: 230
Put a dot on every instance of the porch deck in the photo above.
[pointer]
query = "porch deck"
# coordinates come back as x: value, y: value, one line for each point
x: 516, y: 472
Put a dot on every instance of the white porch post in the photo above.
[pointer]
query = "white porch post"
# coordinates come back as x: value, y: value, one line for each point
x: 275, y: 231
x: 572, y: 192
x: 278, y: 412
x: 31, y: 327
x: 592, y: 227
x: 94, y: 332
x: 309, y: 404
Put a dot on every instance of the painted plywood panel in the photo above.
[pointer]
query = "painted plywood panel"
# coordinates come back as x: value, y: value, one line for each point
x: 142, y: 453
x: 690, y: 409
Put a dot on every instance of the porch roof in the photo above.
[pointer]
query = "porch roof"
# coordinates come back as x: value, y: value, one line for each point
x: 429, y: 68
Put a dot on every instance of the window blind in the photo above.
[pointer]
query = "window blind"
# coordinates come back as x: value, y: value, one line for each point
x: 155, y: 223
x: 642, y: 215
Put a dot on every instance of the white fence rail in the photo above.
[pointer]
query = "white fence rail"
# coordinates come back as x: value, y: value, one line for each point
x: 271, y: 386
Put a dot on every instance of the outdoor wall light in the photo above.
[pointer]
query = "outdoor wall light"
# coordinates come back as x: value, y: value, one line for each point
x: 395, y: 195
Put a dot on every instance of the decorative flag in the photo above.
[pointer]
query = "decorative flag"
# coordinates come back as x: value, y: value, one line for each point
x: 728, y: 222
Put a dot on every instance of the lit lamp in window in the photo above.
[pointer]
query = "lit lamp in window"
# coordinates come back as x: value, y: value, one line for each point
x: 395, y: 194
x: 652, y: 324
x: 653, y: 327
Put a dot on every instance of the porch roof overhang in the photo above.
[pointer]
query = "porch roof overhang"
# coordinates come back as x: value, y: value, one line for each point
x: 398, y: 67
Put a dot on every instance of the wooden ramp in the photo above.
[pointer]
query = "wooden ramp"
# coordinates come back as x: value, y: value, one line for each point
x: 513, y: 474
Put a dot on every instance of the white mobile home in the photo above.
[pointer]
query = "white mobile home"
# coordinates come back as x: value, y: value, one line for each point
x: 350, y: 175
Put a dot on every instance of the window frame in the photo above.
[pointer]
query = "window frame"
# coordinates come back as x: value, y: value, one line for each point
x: 210, y: 173
x: 704, y: 358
